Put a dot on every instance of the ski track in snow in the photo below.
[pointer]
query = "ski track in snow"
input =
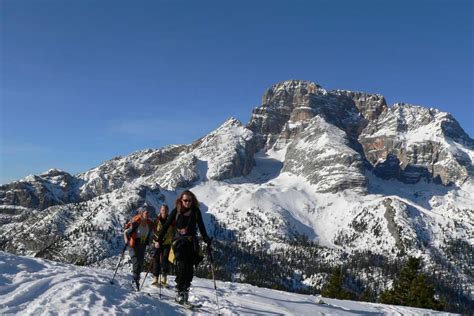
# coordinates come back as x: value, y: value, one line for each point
x: 30, y: 286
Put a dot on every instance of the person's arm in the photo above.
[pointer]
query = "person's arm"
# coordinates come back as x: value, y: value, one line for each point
x: 156, y: 232
x: 151, y: 232
x: 125, y: 237
x: 201, y: 226
x: 129, y: 231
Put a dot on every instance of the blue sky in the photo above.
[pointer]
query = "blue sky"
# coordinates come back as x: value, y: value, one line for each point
x: 85, y: 81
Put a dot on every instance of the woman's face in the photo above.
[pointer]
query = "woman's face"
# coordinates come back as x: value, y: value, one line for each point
x: 186, y: 201
x: 164, y: 212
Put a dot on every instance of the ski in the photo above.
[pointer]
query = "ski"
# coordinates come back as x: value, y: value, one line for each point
x: 167, y: 286
x: 187, y: 304
x: 190, y: 306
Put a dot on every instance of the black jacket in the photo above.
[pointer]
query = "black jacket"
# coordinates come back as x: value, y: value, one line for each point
x: 189, y: 222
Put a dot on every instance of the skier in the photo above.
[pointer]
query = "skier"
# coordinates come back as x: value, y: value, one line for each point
x: 160, y: 259
x: 137, y: 235
x: 187, y: 216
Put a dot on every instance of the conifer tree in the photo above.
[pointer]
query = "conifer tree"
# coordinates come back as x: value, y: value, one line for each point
x: 368, y: 295
x: 334, y: 287
x: 411, y: 288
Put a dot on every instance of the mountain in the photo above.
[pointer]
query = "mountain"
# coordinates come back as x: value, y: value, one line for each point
x: 55, y: 288
x: 316, y: 179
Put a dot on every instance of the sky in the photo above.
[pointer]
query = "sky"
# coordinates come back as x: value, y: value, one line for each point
x: 84, y: 81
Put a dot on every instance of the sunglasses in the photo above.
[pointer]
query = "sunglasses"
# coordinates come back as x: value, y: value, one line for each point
x: 186, y: 201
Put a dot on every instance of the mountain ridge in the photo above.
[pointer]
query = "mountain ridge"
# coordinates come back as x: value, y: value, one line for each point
x: 340, y: 168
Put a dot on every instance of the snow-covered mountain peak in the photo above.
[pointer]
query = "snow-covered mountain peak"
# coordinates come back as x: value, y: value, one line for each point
x: 29, y: 178
x: 227, y: 151
x: 232, y: 121
x: 287, y: 107
x: 231, y: 128
x: 419, y: 124
x: 54, y: 172
x: 291, y: 87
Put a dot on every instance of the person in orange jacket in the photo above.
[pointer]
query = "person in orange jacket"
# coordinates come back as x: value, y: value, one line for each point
x: 138, y: 233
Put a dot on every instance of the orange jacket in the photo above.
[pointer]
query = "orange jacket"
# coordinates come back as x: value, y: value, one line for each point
x: 131, y: 230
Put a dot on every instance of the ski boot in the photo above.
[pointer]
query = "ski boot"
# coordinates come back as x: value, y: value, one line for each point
x: 136, y: 284
x: 155, y: 281
x: 185, y: 298
x: 164, y: 280
x: 180, y: 296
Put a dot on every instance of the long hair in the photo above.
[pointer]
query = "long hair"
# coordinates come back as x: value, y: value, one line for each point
x: 164, y: 206
x: 194, y: 203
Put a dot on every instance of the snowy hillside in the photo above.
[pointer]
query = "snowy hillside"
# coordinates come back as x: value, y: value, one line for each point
x: 41, y: 287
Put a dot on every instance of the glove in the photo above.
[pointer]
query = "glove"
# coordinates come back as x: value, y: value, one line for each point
x: 160, y: 243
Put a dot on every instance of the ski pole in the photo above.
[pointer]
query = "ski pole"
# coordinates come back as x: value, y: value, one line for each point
x: 120, y: 261
x: 149, y: 267
x: 211, y: 260
x: 159, y: 281
x: 160, y: 278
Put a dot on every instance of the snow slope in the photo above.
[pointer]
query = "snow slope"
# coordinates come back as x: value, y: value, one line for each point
x: 41, y: 287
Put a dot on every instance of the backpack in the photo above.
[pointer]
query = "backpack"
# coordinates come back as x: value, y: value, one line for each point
x: 136, y: 218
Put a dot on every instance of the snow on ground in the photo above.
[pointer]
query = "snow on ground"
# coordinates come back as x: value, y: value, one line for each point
x: 34, y: 286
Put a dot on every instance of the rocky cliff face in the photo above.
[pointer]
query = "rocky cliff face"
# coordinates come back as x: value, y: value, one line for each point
x: 287, y: 107
x: 283, y: 103
x: 39, y: 192
x: 324, y: 154
x: 370, y: 106
x: 426, y: 143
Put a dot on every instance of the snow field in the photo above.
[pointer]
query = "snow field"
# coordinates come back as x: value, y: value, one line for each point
x: 31, y: 286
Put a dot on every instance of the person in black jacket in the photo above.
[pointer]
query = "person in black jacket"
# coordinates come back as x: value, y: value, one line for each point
x: 160, y: 259
x: 187, y: 217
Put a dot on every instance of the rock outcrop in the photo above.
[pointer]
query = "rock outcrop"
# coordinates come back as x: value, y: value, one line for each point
x: 427, y: 143
x: 39, y: 192
x: 322, y: 153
